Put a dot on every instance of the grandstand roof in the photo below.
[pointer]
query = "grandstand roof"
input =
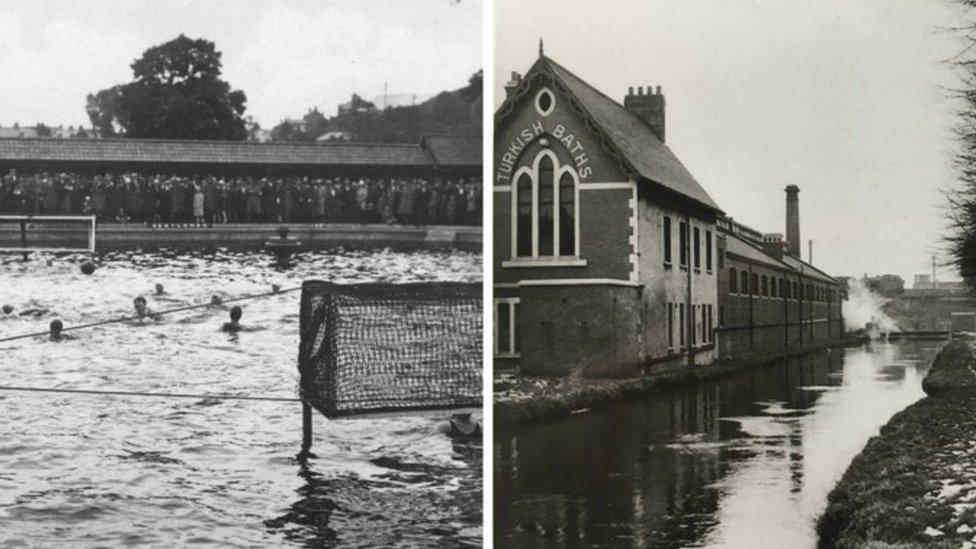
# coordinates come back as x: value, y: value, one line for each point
x: 233, y: 152
x: 453, y: 150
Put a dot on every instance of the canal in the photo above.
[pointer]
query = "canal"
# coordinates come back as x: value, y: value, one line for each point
x: 745, y: 461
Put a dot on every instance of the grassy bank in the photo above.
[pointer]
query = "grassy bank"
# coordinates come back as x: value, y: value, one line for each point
x: 519, y: 400
x: 914, y: 485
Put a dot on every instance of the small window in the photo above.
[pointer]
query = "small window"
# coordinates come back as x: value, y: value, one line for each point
x: 544, y: 102
x: 670, y: 327
x: 683, y: 243
x: 755, y: 284
x: 733, y: 280
x: 667, y: 241
x: 697, y: 244
x: 506, y: 336
x: 681, y: 325
x: 708, y: 251
x: 765, y: 286
x: 744, y: 283
x: 796, y: 294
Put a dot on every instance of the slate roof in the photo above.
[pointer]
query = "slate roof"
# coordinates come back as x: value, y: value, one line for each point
x: 741, y: 247
x: 212, y: 152
x: 799, y: 265
x: 636, y: 143
x: 453, y: 150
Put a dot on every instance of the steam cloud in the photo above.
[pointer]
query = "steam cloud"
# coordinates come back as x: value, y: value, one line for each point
x: 863, y: 306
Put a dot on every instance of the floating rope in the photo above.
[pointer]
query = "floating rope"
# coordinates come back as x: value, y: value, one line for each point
x: 145, y: 394
x: 168, y: 311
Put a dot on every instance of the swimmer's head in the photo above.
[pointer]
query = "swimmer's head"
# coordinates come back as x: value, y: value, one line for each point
x: 215, y: 300
x: 462, y: 416
x: 159, y: 288
x: 275, y: 288
x: 140, y: 305
x: 235, y: 313
x: 7, y: 309
x: 56, y: 327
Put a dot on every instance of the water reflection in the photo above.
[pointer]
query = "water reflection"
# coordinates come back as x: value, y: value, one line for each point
x: 744, y: 462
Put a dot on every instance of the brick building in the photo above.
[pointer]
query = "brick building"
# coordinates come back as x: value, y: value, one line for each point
x: 608, y: 254
x: 604, y: 255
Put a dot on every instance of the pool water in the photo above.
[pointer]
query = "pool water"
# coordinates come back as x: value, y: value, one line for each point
x: 92, y: 470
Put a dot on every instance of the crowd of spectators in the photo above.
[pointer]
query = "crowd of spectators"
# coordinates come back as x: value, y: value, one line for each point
x: 165, y: 199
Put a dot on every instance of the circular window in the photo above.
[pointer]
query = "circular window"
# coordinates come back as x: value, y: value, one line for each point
x: 544, y: 102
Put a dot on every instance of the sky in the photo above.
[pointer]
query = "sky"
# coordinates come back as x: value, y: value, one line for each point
x: 286, y: 55
x: 850, y: 101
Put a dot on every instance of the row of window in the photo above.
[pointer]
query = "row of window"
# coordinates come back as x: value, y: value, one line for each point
x: 698, y: 330
x: 683, y: 250
x: 695, y: 326
x: 740, y: 282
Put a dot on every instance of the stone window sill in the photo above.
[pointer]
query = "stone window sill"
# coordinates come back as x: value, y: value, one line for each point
x: 532, y: 262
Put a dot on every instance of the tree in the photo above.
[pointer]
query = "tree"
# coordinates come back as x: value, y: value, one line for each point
x: 961, y: 239
x: 177, y: 93
x: 42, y: 130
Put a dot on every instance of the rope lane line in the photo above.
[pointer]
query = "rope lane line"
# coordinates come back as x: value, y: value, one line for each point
x: 146, y: 394
x: 160, y: 313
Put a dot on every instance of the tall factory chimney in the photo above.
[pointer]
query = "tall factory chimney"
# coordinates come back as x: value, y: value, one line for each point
x: 793, y: 220
x: 648, y: 107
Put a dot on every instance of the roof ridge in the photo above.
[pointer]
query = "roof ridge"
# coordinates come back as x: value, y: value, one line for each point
x: 142, y: 140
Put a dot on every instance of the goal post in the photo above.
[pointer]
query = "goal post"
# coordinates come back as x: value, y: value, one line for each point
x: 379, y: 348
x: 47, y: 233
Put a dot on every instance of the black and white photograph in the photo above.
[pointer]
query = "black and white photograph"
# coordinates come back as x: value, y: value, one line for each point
x: 732, y: 273
x: 241, y: 276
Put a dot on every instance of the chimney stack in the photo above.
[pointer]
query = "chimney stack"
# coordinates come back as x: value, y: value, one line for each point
x: 648, y: 107
x: 793, y: 220
x: 513, y: 83
x: 773, y: 245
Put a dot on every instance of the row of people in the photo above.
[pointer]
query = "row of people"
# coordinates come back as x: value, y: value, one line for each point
x: 134, y: 197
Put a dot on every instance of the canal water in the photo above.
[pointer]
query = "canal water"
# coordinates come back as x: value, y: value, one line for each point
x: 82, y: 470
x: 742, y: 462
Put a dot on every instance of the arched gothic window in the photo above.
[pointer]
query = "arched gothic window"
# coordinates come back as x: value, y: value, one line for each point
x: 545, y: 209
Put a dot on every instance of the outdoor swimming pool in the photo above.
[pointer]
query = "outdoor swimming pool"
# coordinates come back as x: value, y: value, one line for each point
x: 93, y: 469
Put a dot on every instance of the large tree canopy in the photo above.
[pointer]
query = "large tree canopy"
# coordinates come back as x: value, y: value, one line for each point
x: 177, y: 93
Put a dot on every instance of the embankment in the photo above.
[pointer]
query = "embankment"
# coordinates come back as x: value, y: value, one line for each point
x: 522, y: 400
x: 914, y: 485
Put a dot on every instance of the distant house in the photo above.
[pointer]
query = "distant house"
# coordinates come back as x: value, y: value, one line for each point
x: 356, y: 104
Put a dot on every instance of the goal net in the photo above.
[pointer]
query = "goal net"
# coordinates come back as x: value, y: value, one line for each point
x: 369, y: 348
x: 47, y: 233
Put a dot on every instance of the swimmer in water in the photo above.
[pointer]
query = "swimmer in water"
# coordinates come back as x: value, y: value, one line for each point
x: 35, y: 312
x: 234, y: 325
x: 142, y: 309
x: 461, y: 427
x: 7, y: 309
x: 159, y: 289
x: 55, y: 333
x: 215, y: 301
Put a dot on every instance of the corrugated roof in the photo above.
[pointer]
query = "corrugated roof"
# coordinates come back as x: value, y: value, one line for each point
x: 632, y: 138
x: 212, y: 152
x: 454, y: 150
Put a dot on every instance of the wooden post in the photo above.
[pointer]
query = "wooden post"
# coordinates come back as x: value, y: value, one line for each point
x: 306, y: 429
x: 23, y: 238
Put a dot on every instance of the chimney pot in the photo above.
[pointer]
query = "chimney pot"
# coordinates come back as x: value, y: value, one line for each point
x: 640, y: 90
x: 630, y: 90
x: 659, y: 90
